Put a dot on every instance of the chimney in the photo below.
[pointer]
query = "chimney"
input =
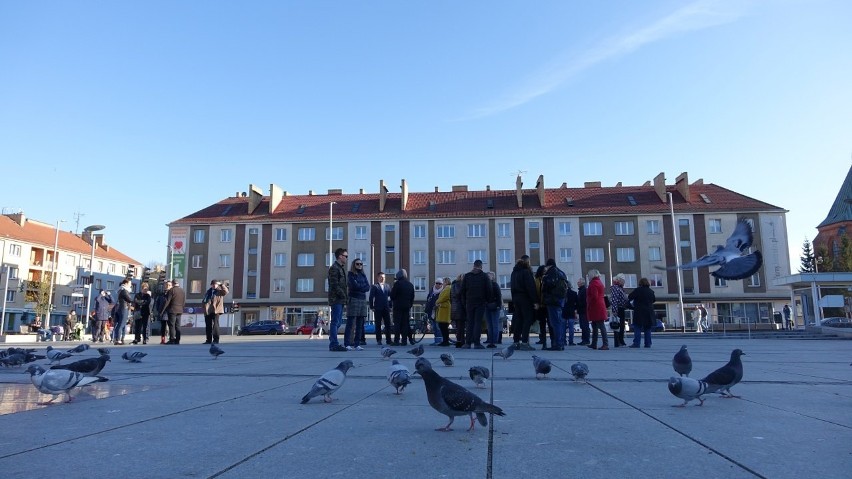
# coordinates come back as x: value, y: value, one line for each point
x: 699, y: 181
x: 18, y: 218
x: 647, y: 183
x: 404, y: 187
x: 459, y: 188
x: 436, y: 189
x: 383, y: 195
x: 237, y: 194
x: 487, y: 187
x: 275, y: 196
x: 361, y: 191
x: 519, y: 192
x: 591, y: 184
x: 255, y: 195
x: 682, y: 185
x: 564, y: 185
x: 335, y: 191
x: 539, y: 188
x: 660, y: 187
x: 618, y: 185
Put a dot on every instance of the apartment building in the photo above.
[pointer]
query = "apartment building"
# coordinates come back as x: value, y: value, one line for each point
x: 32, y: 251
x: 275, y: 247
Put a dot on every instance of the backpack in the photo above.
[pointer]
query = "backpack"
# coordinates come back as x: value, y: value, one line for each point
x: 558, y: 287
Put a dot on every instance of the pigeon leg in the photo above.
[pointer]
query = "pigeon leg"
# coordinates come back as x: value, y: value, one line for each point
x: 447, y: 428
x: 327, y: 398
x: 472, y: 422
x: 700, y: 401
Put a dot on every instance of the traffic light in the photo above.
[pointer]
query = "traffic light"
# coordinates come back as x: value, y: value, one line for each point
x: 235, y: 307
x: 131, y: 271
x: 146, y: 274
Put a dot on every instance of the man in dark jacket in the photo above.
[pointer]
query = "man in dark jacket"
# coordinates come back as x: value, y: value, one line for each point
x: 476, y: 292
x: 553, y: 288
x: 380, y: 305
x: 523, y: 299
x: 402, y: 298
x: 338, y: 295
x: 581, y: 313
x: 569, y: 313
x: 175, y: 301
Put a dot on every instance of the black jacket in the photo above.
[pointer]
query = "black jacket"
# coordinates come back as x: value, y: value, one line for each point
x: 476, y: 288
x: 523, y: 283
x: 643, y: 306
x: 569, y: 309
x: 581, y: 302
x: 402, y: 295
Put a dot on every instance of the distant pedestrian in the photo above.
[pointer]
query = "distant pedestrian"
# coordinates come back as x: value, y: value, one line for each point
x: 457, y: 312
x: 380, y: 305
x: 643, y: 299
x: 142, y: 304
x: 524, y: 299
x: 476, y: 292
x: 618, y: 299
x: 553, y: 290
x: 787, y: 317
x: 357, y: 307
x: 160, y: 311
x: 214, y: 305
x: 569, y: 313
x: 122, y: 311
x: 402, y: 298
x: 103, y: 311
x: 70, y: 323
x: 338, y: 295
x: 443, y: 314
x: 429, y: 309
x: 175, y: 302
x: 596, y: 309
x: 585, y: 330
x: 493, y: 310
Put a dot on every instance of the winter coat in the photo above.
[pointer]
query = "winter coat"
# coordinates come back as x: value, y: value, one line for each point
x: 457, y: 306
x: 443, y: 306
x: 581, y: 302
x: 549, y: 294
x: 103, y: 306
x: 569, y: 309
x: 338, y: 287
x: 358, y: 285
x: 476, y: 288
x: 214, y: 300
x: 595, y: 305
x: 523, y: 283
x: 643, y: 306
x: 402, y: 295
x: 175, y: 300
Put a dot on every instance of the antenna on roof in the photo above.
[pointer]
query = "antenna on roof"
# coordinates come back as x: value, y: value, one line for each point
x: 77, y: 216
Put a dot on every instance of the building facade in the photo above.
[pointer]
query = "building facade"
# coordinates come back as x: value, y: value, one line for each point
x: 275, y: 248
x: 32, y: 251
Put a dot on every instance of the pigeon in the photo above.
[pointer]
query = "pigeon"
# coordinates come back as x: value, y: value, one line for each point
x: 452, y: 400
x: 56, y: 355
x: 104, y: 351
x: 134, y: 356
x: 448, y: 359
x: 13, y: 350
x: 681, y: 362
x: 579, y: 371
x: 59, y: 381
x: 398, y: 376
x: 542, y: 367
x: 418, y: 351
x: 15, y: 359
x: 506, y: 352
x: 479, y: 374
x: 726, y: 377
x: 687, y: 389
x: 215, y: 350
x: 387, y: 352
x: 79, y: 349
x: 87, y: 367
x: 329, y: 382
x: 733, y: 264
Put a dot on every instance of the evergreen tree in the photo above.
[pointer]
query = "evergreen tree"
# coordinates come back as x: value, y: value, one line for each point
x: 807, y: 259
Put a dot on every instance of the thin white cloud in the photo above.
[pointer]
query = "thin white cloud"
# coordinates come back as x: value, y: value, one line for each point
x: 695, y: 16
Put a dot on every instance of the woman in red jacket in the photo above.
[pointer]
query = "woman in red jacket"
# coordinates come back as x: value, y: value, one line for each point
x: 596, y: 309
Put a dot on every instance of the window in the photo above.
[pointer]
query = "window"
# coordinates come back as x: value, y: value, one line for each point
x: 564, y: 228
x: 714, y: 225
x: 66, y: 300
x: 630, y: 280
x: 623, y: 228
x: 504, y: 230
x: 419, y: 283
x: 754, y: 280
x: 279, y: 260
x: 655, y: 253
x: 224, y: 261
x: 390, y: 228
x: 278, y: 285
x: 198, y: 236
x: 656, y: 280
x: 685, y: 243
x: 683, y: 222
x: 110, y: 285
x: 225, y: 236
x: 476, y: 230
x: 329, y: 258
x: 10, y: 296
x: 307, y: 234
x: 624, y: 255
x: 534, y: 225
x: 305, y: 259
x: 594, y: 255
x: 419, y: 231
x: 476, y: 254
x: 336, y: 233
x: 360, y: 232
x: 446, y: 256
x: 280, y: 234
x: 653, y: 227
x: 446, y: 231
x: 505, y: 281
x: 197, y: 260
x: 111, y: 268
x: 721, y: 282
x: 592, y: 229
x: 504, y: 256
x: 15, y: 250
x: 306, y: 285
x: 565, y: 255
x: 253, y: 231
x: 13, y: 272
x: 420, y: 257
x: 195, y: 286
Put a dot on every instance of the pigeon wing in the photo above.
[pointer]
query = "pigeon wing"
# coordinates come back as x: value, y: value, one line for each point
x: 457, y: 398
x: 741, y: 238
x: 741, y: 267
x: 326, y: 384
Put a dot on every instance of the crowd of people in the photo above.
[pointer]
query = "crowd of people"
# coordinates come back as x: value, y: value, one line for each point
x: 473, y: 301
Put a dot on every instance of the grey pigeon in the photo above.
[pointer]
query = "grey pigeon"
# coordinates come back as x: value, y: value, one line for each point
x: 79, y: 349
x: 452, y: 400
x: 687, y: 389
x: 681, y: 362
x: 56, y: 355
x: 448, y: 359
x: 726, y: 377
x: 579, y: 371
x: 479, y: 374
x: 13, y: 350
x: 733, y: 264
x: 59, y: 381
x: 506, y: 352
x: 542, y: 367
x: 387, y: 352
x: 30, y: 357
x: 15, y: 359
x: 329, y: 382
x: 399, y: 376
x: 418, y: 351
x: 87, y: 367
x: 134, y: 356
x: 215, y: 350
x: 104, y: 351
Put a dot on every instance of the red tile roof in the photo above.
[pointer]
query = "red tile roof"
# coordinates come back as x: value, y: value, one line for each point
x: 604, y: 201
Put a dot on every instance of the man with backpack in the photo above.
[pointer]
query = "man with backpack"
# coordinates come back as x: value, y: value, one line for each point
x: 554, y: 286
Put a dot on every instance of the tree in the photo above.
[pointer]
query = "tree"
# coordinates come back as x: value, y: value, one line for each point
x: 807, y: 259
x: 40, y: 298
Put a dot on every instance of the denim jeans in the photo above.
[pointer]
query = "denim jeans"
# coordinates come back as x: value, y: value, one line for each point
x: 352, y: 333
x: 336, y: 319
x: 436, y: 330
x: 120, y: 328
x: 493, y: 326
x: 557, y: 325
x: 571, y: 331
x: 637, y: 335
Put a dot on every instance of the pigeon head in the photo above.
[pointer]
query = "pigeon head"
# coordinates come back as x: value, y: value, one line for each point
x: 737, y: 353
x: 34, y: 369
x: 683, y: 348
x: 345, y: 365
x: 422, y: 364
x: 674, y: 385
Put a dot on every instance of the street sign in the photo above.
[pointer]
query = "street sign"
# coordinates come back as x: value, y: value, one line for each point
x: 78, y: 303
x: 76, y: 295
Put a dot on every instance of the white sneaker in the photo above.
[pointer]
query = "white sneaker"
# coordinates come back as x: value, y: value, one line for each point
x: 349, y: 348
x: 358, y: 348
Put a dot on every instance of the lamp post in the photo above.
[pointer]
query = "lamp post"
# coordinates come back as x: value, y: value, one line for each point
x: 677, y: 263
x: 5, y: 292
x: 331, y: 257
x: 52, y: 275
x: 90, y: 230
x: 609, y: 260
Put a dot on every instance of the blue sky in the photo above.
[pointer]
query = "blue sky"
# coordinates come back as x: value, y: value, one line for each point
x: 139, y: 113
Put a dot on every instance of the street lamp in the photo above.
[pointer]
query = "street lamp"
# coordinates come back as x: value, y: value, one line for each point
x: 52, y: 275
x: 677, y: 263
x: 90, y: 230
x: 331, y: 257
x: 5, y: 292
x: 609, y: 260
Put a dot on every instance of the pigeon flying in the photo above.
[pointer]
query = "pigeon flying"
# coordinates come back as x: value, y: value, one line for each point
x: 59, y: 381
x: 452, y: 400
x: 479, y: 374
x: 733, y: 264
x: 687, y: 389
x: 418, y: 351
x: 506, y: 352
x: 134, y: 356
x: 681, y: 362
x: 447, y: 359
x: 398, y: 376
x: 542, y: 367
x: 579, y: 371
x: 215, y: 350
x: 329, y: 382
x: 726, y: 377
x: 87, y: 367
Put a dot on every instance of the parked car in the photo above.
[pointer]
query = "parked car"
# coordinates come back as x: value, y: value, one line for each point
x: 304, y: 329
x: 837, y: 322
x: 369, y: 328
x: 263, y: 327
